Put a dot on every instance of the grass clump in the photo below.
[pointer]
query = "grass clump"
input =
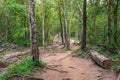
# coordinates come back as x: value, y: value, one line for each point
x: 24, y: 67
x: 83, y: 54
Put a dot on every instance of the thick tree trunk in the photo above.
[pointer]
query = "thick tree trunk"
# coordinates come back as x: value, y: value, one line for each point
x: 101, y: 60
x: 61, y: 24
x: 83, y: 45
x: 33, y: 31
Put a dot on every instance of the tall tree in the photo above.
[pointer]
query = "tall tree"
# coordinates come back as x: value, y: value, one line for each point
x: 33, y: 31
x: 83, y: 45
x: 60, y: 19
x: 10, y: 28
x: 115, y: 20
x: 66, y: 32
x: 109, y: 23
x: 43, y: 23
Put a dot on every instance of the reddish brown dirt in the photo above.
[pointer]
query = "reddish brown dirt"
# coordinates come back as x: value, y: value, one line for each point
x: 63, y: 66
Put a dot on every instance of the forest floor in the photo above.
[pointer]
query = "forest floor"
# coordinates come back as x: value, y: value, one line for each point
x: 63, y: 65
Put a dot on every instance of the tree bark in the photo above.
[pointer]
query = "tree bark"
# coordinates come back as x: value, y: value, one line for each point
x: 67, y: 43
x: 10, y: 29
x: 33, y: 31
x: 101, y: 60
x: 83, y: 45
x: 61, y: 24
x: 70, y: 25
x: 43, y: 21
x: 109, y: 23
x: 115, y: 21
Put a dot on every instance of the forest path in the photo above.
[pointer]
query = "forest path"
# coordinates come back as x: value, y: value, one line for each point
x: 63, y: 66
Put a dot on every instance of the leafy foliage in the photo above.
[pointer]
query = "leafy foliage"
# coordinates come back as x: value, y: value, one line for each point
x: 22, y: 68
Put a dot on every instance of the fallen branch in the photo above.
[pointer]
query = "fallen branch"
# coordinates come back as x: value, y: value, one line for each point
x: 101, y: 60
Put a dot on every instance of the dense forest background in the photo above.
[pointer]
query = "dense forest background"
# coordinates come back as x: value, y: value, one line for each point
x: 59, y: 36
x: 14, y: 21
x: 102, y: 21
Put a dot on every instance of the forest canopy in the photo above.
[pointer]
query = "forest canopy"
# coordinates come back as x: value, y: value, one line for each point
x: 102, y: 21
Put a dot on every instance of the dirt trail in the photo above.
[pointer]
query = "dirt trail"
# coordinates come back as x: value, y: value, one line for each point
x: 63, y: 66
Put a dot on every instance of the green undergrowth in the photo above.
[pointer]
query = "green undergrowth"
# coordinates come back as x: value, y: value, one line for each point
x: 83, y: 54
x: 6, y: 52
x: 64, y: 48
x: 102, y: 51
x: 1, y: 57
x: 106, y: 53
x: 111, y: 55
x: 24, y: 67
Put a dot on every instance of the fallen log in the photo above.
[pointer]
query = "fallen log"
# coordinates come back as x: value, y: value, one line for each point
x: 101, y: 60
x: 11, y: 58
x: 16, y: 54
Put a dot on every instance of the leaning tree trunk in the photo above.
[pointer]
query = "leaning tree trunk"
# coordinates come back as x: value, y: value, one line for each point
x: 33, y: 31
x: 83, y: 45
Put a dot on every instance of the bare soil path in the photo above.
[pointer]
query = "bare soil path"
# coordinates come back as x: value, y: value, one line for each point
x: 63, y: 66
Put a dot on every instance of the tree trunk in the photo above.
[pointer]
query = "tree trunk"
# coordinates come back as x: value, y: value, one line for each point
x: 83, y: 45
x: 61, y: 24
x: 115, y: 21
x: 47, y: 36
x: 69, y: 27
x: 33, y: 31
x: 109, y: 23
x: 101, y: 60
x: 43, y: 30
x: 10, y: 29
x: 67, y: 43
